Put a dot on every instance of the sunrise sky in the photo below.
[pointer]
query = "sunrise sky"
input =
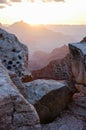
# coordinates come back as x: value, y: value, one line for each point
x: 43, y: 11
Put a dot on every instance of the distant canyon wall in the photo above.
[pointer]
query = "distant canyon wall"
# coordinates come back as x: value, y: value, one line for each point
x: 57, y: 69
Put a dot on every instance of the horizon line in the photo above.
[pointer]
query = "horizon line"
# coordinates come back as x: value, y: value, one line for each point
x: 21, y: 21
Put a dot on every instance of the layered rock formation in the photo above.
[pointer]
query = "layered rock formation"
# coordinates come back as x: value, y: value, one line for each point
x: 14, y: 55
x: 16, y: 113
x: 49, y: 97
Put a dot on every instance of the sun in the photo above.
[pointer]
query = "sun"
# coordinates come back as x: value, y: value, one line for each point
x: 50, y: 13
x: 45, y: 13
x: 38, y: 13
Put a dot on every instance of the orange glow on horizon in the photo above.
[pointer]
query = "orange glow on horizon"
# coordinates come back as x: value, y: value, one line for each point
x: 45, y: 13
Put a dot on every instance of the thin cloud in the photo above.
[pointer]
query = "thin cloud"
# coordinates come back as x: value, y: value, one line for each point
x: 59, y: 0
x: 9, y: 1
x: 47, y: 0
x: 15, y: 0
x: 3, y: 1
x: 52, y: 0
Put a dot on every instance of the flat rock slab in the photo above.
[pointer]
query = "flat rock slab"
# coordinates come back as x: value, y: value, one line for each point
x: 49, y: 98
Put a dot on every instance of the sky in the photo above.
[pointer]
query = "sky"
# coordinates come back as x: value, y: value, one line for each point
x: 43, y: 11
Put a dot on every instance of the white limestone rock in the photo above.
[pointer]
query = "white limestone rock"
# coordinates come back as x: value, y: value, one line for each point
x: 14, y: 55
x: 16, y: 113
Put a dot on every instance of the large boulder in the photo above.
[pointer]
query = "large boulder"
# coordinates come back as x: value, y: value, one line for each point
x: 49, y: 97
x: 16, y: 113
x: 14, y: 55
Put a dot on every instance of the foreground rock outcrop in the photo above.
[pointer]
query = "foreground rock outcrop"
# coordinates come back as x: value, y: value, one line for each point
x: 49, y: 97
x: 14, y: 55
x: 78, y: 62
x: 74, y: 118
x: 16, y: 113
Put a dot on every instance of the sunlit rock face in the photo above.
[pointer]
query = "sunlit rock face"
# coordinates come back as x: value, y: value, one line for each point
x: 14, y: 55
x: 16, y: 113
x: 78, y: 62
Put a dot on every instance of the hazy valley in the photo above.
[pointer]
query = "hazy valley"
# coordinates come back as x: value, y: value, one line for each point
x: 46, y: 37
